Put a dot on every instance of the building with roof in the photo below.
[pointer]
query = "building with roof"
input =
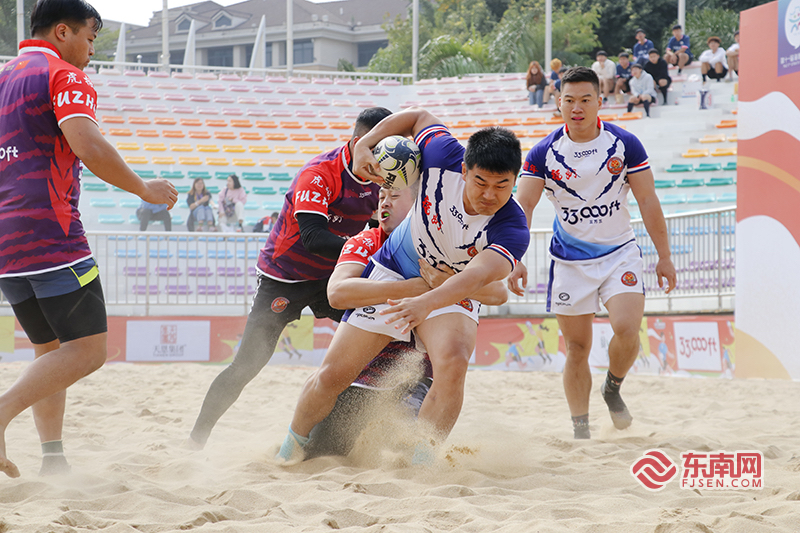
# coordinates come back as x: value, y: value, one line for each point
x: 322, y: 33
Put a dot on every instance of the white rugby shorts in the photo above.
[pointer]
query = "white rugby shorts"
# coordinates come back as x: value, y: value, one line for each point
x: 369, y: 318
x: 576, y: 288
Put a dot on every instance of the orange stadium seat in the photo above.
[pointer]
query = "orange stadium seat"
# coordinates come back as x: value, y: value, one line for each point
x: 315, y: 125
x: 250, y: 136
x: 233, y: 148
x: 325, y: 137
x: 135, y: 160
x: 216, y: 123
x: 344, y: 137
x: 339, y: 125
x: 539, y: 133
x: 313, y: 150
x: 265, y: 124
x: 286, y: 149
x: 487, y: 122
x: 533, y: 121
x: 162, y: 160
x: 520, y: 133
x: 127, y: 146
x: 300, y: 137
x: 464, y: 124
x: 608, y: 118
x: 180, y: 148
x: 720, y: 138
x: 207, y: 148
x: 147, y: 133
x: 294, y: 163
x: 166, y: 121
x: 138, y: 120
x: 727, y: 124
x: 226, y: 135
x: 627, y: 116
x: 120, y: 132
x: 216, y: 161
x: 733, y: 138
x: 506, y: 122
x: 240, y: 123
x: 243, y: 162
x: 275, y: 136
x: 463, y: 136
x: 155, y: 147
x: 554, y: 120
x: 290, y: 125
x: 269, y: 162
x: 695, y: 152
x: 263, y: 149
x: 189, y: 161
x: 199, y: 135
x: 112, y: 119
x: 194, y: 122
x: 721, y: 152
x: 173, y: 134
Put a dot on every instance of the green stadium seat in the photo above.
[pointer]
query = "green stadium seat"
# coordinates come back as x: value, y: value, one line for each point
x: 102, y: 202
x: 664, y: 184
x: 708, y: 167
x: 283, y: 190
x: 255, y: 176
x: 718, y: 182
x: 132, y: 219
x: 117, y: 189
x: 280, y: 176
x: 251, y: 207
x: 193, y: 174
x: 183, y: 188
x: 727, y: 197
x: 97, y: 187
x: 272, y: 206
x: 172, y: 175
x: 729, y: 166
x: 177, y: 219
x: 704, y: 198
x: 213, y: 189
x: 111, y: 219
x: 680, y: 168
x: 250, y: 221
x: 130, y: 202
x: 88, y: 173
x: 691, y: 182
x: 264, y: 190
x: 222, y: 175
x: 673, y: 199
x: 146, y: 174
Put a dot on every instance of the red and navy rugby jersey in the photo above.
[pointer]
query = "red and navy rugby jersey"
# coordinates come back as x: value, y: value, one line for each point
x: 359, y: 249
x: 326, y: 186
x: 40, y: 227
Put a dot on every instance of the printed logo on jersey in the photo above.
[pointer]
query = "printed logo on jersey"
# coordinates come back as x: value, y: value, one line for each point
x: 466, y: 304
x: 369, y: 309
x: 629, y: 279
x: 585, y: 153
x: 472, y: 251
x: 279, y: 304
x: 458, y: 216
x: 615, y: 165
x: 568, y: 174
x: 563, y: 296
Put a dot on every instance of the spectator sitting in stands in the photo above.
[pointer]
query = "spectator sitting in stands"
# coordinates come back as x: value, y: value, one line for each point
x: 733, y: 55
x: 642, y: 47
x: 557, y: 90
x: 535, y: 81
x: 713, y: 62
x: 678, y: 49
x: 643, y: 89
x: 201, y: 216
x: 606, y: 70
x: 621, y: 86
x: 555, y: 66
x: 659, y: 70
x: 266, y: 224
x: 147, y: 212
x: 231, y: 204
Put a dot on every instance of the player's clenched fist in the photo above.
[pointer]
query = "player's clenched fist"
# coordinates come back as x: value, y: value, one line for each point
x: 160, y: 191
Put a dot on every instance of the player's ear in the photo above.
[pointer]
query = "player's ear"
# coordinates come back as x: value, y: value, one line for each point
x: 463, y: 170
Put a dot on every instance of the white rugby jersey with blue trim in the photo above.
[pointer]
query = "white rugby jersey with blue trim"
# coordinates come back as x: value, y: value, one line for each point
x: 438, y: 228
x: 588, y: 185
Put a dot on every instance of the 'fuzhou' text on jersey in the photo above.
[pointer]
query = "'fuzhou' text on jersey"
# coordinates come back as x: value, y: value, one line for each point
x: 438, y: 228
x: 588, y: 185
x: 40, y: 227
x: 325, y: 186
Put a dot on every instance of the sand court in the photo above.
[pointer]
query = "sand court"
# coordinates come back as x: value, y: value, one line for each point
x: 509, y: 465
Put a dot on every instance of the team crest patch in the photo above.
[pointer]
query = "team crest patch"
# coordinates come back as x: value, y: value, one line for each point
x: 472, y: 251
x: 279, y: 304
x: 614, y: 165
x: 629, y: 279
x: 466, y: 303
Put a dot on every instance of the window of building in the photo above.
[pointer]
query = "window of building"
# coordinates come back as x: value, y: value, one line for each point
x: 224, y: 21
x: 176, y: 57
x: 184, y: 25
x: 367, y: 50
x: 248, y: 54
x: 220, y: 57
x: 303, y: 52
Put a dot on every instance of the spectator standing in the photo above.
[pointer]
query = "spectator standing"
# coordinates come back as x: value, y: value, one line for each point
x: 231, y: 204
x: 606, y: 70
x: 147, y: 212
x: 678, y: 49
x: 733, y: 55
x: 713, y: 62
x: 659, y: 70
x: 535, y: 81
x: 643, y: 89
x: 201, y: 215
x: 621, y: 86
x: 642, y: 47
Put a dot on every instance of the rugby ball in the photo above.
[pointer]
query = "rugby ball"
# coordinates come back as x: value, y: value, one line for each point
x: 399, y: 161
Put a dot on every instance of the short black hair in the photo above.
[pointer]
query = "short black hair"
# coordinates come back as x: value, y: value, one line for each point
x: 494, y: 149
x: 639, y: 30
x: 677, y: 27
x: 580, y: 74
x: 637, y: 65
x: 73, y: 13
x: 654, y: 51
x: 368, y: 119
x: 236, y: 183
x: 624, y: 54
x: 601, y: 53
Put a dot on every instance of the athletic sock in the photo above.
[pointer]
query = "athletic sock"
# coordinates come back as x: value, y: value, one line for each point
x: 580, y: 427
x: 704, y: 78
x: 53, y: 460
x: 646, y: 104
x: 630, y: 107
x: 616, y: 406
x: 292, y: 447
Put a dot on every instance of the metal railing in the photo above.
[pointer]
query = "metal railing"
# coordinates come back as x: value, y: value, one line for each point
x: 181, y: 273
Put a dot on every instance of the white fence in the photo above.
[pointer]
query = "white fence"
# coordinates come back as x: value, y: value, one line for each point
x: 178, y: 273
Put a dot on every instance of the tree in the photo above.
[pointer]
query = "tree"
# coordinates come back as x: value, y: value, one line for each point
x: 8, y: 25
x: 105, y: 45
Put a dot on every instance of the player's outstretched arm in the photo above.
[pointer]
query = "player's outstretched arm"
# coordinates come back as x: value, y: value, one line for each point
x: 484, y: 268
x: 494, y: 293
x: 406, y: 123
x: 100, y: 157
x: 644, y: 190
x: 348, y: 290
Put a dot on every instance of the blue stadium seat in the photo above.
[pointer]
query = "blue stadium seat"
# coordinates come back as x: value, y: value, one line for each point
x: 97, y: 187
x: 111, y: 219
x: 704, y: 198
x: 102, y: 202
